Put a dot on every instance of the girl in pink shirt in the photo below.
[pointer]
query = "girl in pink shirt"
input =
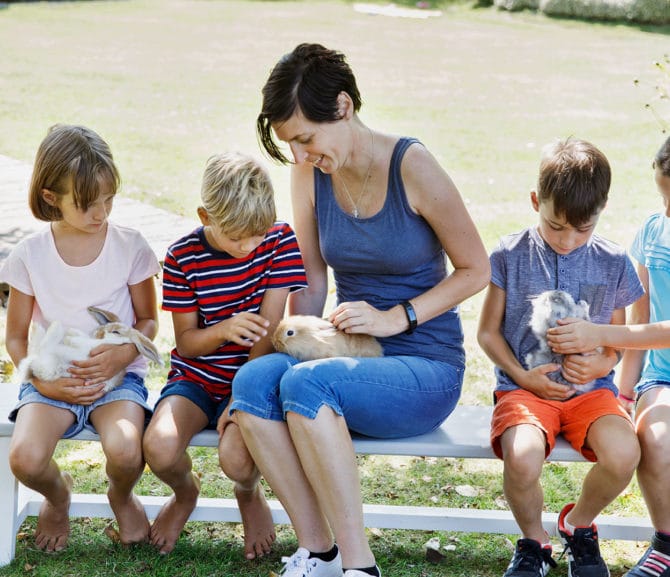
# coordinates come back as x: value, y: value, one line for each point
x: 81, y: 259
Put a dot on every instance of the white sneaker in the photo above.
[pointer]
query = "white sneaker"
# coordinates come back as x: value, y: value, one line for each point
x: 357, y: 573
x: 301, y: 565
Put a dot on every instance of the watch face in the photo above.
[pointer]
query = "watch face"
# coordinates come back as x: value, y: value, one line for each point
x: 411, y: 316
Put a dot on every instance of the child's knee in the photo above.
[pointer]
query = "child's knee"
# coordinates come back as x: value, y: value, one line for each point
x: 654, y: 445
x: 161, y: 453
x: 124, y: 458
x: 28, y: 462
x: 522, y: 471
x: 621, y: 460
x: 236, y: 463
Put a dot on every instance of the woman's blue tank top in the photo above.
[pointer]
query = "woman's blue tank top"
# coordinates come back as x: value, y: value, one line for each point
x: 388, y: 258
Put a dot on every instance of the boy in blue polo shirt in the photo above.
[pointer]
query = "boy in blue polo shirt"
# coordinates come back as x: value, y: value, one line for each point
x: 561, y: 253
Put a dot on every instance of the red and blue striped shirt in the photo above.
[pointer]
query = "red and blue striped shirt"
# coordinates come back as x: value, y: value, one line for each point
x: 197, y: 277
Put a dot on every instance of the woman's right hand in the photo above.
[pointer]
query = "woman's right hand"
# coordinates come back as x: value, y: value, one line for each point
x: 361, y: 317
x: 72, y: 391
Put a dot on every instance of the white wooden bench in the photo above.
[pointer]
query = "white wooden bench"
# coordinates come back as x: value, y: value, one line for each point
x: 465, y: 434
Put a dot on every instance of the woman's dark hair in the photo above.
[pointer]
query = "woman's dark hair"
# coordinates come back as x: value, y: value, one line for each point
x: 308, y: 79
x: 662, y: 158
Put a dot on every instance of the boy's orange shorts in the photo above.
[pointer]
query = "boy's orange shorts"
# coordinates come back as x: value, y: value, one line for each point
x: 572, y: 418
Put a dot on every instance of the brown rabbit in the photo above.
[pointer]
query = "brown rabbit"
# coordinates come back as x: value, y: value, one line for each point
x: 307, y: 337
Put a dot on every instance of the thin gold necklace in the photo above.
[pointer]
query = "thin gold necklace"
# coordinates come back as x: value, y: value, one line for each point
x: 364, y: 186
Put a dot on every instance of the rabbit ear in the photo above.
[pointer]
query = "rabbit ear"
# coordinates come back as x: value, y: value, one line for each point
x: 47, y: 340
x: 145, y: 346
x: 102, y: 316
x: 129, y: 335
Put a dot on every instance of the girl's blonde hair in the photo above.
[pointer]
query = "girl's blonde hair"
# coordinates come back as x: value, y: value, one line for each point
x: 71, y: 158
x: 238, y: 195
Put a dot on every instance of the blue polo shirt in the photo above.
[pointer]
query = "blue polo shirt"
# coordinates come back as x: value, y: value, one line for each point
x: 524, y: 265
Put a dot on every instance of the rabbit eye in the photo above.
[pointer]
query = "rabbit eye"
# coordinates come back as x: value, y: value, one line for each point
x: 290, y: 333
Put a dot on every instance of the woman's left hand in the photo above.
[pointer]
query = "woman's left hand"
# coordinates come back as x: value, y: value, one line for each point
x: 361, y: 317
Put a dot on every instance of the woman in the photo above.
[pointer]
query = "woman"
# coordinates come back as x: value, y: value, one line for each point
x: 381, y: 212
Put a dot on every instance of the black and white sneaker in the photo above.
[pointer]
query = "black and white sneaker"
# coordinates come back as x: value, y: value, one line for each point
x: 655, y: 562
x: 582, y: 547
x: 530, y: 560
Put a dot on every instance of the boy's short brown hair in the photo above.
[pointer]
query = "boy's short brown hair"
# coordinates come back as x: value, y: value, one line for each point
x: 237, y: 194
x: 576, y: 177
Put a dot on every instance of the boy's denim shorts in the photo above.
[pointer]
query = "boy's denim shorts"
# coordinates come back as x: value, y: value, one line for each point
x: 384, y: 397
x: 646, y: 385
x: 197, y: 395
x: 131, y: 389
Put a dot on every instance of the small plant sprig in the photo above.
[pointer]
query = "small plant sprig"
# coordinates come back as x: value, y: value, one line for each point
x: 659, y: 105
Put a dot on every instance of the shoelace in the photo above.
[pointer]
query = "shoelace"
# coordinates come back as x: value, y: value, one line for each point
x: 295, y: 561
x: 584, y: 549
x: 529, y: 560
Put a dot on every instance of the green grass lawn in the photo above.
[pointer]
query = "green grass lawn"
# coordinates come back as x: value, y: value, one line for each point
x: 169, y: 83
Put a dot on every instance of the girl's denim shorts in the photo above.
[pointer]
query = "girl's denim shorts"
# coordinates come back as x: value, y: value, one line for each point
x: 131, y: 389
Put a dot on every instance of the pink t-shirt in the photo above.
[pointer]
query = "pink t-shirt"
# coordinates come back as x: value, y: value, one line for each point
x: 63, y: 292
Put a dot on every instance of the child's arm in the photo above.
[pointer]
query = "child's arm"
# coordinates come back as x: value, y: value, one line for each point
x: 493, y: 343
x: 19, y: 317
x: 107, y: 360
x: 633, y: 360
x: 244, y: 329
x: 575, y: 336
x: 272, y: 310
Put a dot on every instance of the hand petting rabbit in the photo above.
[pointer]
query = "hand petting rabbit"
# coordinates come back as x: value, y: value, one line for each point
x: 51, y: 352
x: 307, y: 337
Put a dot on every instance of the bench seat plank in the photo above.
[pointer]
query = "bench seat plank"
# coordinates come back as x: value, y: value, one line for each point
x: 380, y: 516
x: 465, y: 434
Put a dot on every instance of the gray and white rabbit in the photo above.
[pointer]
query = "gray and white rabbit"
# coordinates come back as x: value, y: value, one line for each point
x: 308, y: 337
x: 548, y: 307
x: 51, y: 352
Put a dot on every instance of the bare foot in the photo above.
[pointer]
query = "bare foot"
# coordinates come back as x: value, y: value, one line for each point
x: 53, y: 522
x: 172, y: 517
x: 131, y: 517
x: 259, y: 530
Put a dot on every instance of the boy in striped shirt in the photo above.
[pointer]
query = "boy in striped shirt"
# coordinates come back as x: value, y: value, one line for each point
x: 226, y: 284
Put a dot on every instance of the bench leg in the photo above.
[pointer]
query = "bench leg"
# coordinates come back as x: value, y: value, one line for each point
x: 9, y: 501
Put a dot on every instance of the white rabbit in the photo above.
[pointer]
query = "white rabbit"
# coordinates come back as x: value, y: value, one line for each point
x: 548, y: 307
x: 307, y: 337
x: 51, y: 352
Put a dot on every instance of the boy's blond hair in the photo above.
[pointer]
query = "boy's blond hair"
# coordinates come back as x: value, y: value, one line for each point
x: 237, y: 194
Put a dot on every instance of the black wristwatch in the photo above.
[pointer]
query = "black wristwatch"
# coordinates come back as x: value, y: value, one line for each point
x: 411, y: 316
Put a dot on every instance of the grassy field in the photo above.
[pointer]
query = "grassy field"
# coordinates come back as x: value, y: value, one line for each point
x: 169, y: 83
